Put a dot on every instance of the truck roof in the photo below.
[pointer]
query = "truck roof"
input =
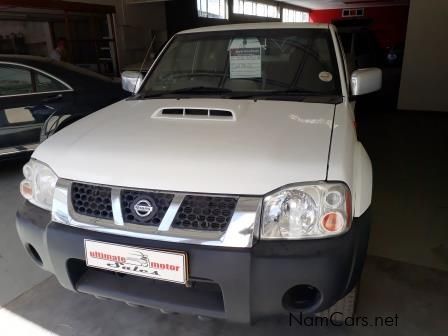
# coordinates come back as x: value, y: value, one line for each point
x: 263, y: 25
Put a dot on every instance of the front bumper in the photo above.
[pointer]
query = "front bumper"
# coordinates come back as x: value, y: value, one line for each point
x: 237, y: 284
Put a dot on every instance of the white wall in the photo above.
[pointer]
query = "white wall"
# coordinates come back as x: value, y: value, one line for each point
x: 424, y: 80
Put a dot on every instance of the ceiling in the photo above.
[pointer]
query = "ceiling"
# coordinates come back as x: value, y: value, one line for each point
x: 328, y: 4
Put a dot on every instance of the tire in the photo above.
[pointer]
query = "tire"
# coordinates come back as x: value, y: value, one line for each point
x: 345, y: 307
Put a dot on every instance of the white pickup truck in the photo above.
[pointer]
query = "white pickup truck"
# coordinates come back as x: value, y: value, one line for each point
x: 230, y: 185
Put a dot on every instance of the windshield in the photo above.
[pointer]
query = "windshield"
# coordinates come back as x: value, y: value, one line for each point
x: 253, y: 62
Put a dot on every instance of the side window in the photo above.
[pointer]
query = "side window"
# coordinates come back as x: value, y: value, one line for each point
x: 346, y: 42
x: 47, y: 84
x: 14, y: 81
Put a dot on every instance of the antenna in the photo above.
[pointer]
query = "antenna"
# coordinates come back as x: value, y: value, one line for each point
x: 144, y: 59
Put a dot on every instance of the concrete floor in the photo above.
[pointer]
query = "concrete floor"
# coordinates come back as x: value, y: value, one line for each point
x: 406, y: 272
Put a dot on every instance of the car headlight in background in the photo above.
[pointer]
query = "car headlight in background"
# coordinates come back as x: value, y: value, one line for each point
x: 307, y: 211
x: 39, y: 184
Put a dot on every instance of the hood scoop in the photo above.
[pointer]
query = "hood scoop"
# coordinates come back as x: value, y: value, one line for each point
x: 195, y: 113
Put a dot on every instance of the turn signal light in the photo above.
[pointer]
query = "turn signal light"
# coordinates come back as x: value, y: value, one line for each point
x: 332, y: 221
x: 26, y: 189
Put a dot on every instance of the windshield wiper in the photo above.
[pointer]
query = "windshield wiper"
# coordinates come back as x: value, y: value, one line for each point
x: 277, y: 93
x: 188, y: 90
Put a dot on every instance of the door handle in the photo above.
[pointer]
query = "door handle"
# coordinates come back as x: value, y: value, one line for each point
x: 52, y: 99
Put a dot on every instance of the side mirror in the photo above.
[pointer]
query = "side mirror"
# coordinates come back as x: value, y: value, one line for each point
x: 131, y: 80
x: 366, y: 81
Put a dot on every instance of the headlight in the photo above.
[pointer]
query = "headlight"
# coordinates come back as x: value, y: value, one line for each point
x: 39, y: 184
x: 307, y: 211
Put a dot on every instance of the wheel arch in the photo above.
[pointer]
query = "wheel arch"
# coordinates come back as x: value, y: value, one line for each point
x: 362, y: 180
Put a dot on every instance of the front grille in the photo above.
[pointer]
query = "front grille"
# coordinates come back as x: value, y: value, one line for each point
x: 159, y: 201
x: 205, y: 213
x: 92, y: 201
x: 196, y: 212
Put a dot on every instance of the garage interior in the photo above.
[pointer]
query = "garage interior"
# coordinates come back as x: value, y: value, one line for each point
x: 403, y: 127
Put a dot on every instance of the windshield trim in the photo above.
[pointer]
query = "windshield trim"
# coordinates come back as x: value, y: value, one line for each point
x: 316, y: 99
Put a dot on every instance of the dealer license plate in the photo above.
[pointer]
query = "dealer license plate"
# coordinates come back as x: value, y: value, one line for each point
x: 155, y: 264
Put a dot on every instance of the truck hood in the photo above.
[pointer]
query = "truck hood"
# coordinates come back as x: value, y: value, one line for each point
x: 268, y: 144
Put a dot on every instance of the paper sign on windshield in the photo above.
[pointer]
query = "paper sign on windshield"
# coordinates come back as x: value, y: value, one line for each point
x: 245, y: 58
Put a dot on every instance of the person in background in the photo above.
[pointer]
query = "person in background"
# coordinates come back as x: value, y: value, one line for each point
x: 60, y: 52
